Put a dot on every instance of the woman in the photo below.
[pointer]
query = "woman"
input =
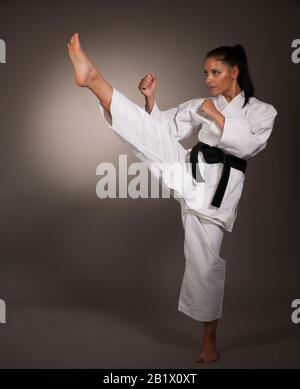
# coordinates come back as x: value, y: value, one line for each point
x: 232, y: 126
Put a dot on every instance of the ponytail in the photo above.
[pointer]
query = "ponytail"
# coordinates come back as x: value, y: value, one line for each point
x: 236, y: 55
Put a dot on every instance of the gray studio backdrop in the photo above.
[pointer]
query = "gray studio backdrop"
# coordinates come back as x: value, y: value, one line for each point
x: 95, y: 283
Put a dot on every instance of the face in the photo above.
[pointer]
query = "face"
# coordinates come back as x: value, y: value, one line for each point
x: 220, y: 77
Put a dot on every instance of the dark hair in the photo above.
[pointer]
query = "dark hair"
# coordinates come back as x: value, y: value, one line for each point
x: 236, y: 55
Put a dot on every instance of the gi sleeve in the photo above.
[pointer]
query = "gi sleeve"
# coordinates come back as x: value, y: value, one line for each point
x: 179, y: 121
x: 156, y: 113
x: 246, y: 138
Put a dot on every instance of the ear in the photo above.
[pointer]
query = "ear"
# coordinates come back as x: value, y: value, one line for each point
x: 235, y: 72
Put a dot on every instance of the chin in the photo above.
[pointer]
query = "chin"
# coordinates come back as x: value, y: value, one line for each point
x: 214, y: 93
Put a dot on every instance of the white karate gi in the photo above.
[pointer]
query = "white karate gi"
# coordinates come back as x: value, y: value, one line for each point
x: 154, y: 138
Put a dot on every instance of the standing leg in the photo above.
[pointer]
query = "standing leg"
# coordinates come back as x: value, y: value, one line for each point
x: 209, y: 351
x: 202, y: 290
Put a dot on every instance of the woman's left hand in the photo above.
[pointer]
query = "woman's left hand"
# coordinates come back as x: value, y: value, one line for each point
x: 209, y: 107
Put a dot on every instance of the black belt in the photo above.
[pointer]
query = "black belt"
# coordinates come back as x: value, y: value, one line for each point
x: 213, y: 154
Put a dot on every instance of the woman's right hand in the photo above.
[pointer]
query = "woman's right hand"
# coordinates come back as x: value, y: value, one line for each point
x: 147, y: 85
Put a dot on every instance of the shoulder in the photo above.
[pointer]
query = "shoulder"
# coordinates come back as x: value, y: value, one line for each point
x: 186, y: 110
x: 192, y: 104
x: 261, y: 110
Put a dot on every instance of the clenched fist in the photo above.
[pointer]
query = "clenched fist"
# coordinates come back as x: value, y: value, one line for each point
x: 209, y: 107
x: 148, y: 84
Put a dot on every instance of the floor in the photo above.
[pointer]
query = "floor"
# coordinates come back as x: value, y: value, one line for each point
x: 98, y: 337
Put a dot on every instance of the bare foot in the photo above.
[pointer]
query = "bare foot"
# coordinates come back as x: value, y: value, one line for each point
x: 209, y: 352
x: 85, y: 71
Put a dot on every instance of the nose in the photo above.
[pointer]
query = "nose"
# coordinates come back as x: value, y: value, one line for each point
x: 208, y: 79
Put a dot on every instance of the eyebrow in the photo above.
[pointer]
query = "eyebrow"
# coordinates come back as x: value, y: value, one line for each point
x: 212, y: 70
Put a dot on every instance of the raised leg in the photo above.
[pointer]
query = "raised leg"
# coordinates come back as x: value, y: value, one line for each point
x: 86, y: 74
x: 147, y: 138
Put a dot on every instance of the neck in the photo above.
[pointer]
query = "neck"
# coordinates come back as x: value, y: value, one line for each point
x: 229, y: 95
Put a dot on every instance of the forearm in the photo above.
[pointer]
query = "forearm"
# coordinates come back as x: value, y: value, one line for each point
x: 219, y: 119
x: 149, y: 103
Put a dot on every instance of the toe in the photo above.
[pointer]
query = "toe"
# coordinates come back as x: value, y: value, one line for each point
x: 200, y: 358
x: 76, y: 37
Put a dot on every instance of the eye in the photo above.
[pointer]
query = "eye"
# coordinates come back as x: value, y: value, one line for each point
x: 216, y: 72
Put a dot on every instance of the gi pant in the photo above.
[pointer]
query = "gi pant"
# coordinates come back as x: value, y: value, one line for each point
x: 202, y: 289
